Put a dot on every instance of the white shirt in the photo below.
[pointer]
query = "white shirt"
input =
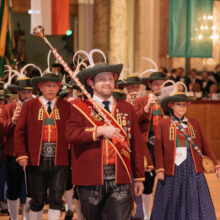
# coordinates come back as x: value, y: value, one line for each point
x: 20, y: 102
x: 45, y: 102
x: 99, y: 100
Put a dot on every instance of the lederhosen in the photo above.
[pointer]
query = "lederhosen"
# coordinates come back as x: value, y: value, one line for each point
x: 47, y: 175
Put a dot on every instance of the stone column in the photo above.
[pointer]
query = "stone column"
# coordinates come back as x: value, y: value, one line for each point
x: 146, y: 33
x: 164, y: 58
x: 85, y: 9
x: 101, y: 25
x: 118, y: 33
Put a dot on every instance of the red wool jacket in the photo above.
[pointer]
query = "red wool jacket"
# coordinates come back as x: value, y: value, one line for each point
x: 87, y: 151
x: 29, y: 132
x: 165, y: 147
x: 6, y: 115
x: 144, y: 120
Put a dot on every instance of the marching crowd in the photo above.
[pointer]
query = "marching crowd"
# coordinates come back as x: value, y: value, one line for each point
x: 100, y: 141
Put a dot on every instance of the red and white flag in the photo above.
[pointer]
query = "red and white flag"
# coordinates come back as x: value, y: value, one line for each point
x: 52, y: 14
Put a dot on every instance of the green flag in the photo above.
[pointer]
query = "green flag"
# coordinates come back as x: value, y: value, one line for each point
x: 190, y: 28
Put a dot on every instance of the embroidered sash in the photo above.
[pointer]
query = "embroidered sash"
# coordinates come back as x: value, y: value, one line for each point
x: 207, y: 163
x: 121, y: 147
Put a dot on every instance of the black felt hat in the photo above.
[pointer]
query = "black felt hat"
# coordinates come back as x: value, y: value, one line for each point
x: 176, y: 97
x: 22, y: 84
x: 155, y: 76
x: 71, y: 84
x: 133, y: 80
x: 119, y: 94
x: 121, y: 84
x: 89, y: 73
x: 47, y: 77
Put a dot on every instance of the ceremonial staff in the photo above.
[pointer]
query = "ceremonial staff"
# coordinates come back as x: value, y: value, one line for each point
x: 39, y: 32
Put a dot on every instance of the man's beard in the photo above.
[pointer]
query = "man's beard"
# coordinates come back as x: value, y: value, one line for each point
x: 108, y: 94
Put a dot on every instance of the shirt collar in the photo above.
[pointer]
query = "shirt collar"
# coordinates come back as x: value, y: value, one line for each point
x: 99, y: 100
x: 182, y: 121
x: 45, y: 101
x: 20, y: 102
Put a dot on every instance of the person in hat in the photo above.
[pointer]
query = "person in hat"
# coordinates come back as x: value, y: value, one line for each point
x: 71, y: 93
x: 40, y: 144
x: 119, y: 92
x: 133, y: 84
x: 104, y: 155
x: 9, y: 116
x: 180, y: 147
x: 149, y: 113
x: 3, y: 185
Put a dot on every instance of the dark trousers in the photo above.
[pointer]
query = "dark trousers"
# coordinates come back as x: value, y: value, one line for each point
x: 15, y: 178
x: 115, y: 197
x: 149, y: 182
x: 69, y: 184
x: 41, y: 180
x: 2, y: 182
x: 149, y: 176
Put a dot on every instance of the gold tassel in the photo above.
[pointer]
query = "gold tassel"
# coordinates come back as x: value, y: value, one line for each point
x: 41, y: 114
x: 193, y: 135
x: 57, y: 115
x: 171, y: 133
x: 133, y: 210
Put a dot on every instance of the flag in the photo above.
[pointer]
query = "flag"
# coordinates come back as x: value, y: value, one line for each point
x: 6, y: 34
x: 190, y: 28
x: 52, y: 14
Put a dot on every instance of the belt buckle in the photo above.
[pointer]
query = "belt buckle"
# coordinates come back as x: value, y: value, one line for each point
x: 48, y: 149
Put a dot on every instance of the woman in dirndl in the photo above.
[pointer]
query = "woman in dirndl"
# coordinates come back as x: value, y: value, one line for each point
x: 182, y: 191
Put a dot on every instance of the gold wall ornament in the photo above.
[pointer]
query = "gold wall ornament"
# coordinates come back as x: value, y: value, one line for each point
x: 171, y: 133
x: 57, y: 114
x: 41, y: 114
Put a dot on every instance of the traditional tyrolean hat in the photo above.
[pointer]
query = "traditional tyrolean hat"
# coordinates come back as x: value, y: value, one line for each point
x: 86, y: 75
x: 176, y: 97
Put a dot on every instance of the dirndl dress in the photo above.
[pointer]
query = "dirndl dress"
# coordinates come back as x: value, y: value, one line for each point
x: 183, y: 196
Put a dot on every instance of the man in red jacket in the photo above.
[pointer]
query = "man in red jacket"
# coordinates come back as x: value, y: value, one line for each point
x: 102, y: 164
x: 39, y: 143
x: 149, y: 114
x: 8, y: 117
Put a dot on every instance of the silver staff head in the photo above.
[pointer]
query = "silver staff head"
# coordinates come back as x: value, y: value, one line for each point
x: 38, y: 31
